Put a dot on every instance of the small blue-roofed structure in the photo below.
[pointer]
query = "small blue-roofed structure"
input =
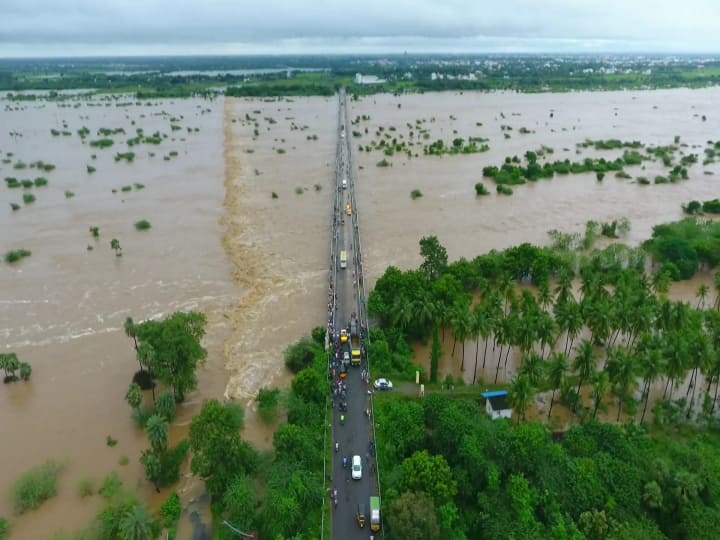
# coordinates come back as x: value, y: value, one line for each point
x: 497, y: 404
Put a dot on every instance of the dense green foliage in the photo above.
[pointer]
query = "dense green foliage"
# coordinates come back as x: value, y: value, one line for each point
x: 16, y: 255
x: 301, y: 355
x: 173, y: 77
x: 477, y: 478
x: 5, y: 527
x: 219, y: 453
x: 35, y: 487
x: 172, y: 350
x: 683, y: 245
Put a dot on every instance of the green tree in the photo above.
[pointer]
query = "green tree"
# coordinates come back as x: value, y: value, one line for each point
x: 533, y: 368
x: 134, y: 396
x: 435, y: 259
x: 157, y: 430
x: 268, y: 401
x: 432, y: 473
x: 177, y: 349
x: 556, y: 371
x: 301, y: 355
x: 239, y: 503
x: 220, y: 453
x: 137, y: 524
x: 413, y: 516
x: 25, y: 371
x: 310, y: 386
x: 584, y: 366
x: 435, y: 355
x: 165, y: 406
x: 129, y: 327
x: 521, y: 395
x: 10, y: 364
x: 115, y: 246
x: 601, y: 385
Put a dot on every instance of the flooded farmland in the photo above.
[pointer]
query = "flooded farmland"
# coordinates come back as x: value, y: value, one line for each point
x: 254, y: 262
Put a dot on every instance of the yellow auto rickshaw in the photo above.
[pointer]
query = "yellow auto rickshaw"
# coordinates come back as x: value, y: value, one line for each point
x: 360, y: 515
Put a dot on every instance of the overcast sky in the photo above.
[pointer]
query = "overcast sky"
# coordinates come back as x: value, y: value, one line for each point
x: 146, y: 27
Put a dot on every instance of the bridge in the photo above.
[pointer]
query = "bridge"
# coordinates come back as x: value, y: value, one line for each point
x: 353, y: 432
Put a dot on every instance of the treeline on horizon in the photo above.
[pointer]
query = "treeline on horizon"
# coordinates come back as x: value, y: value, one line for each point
x: 150, y: 77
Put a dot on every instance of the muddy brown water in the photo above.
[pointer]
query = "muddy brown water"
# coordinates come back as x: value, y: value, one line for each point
x: 256, y: 265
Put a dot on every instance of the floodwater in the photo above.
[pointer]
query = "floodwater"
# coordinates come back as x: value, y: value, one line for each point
x: 258, y: 265
x: 392, y: 223
x: 63, y: 308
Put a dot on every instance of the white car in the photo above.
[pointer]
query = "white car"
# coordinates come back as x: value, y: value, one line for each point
x: 382, y: 384
x: 356, y: 468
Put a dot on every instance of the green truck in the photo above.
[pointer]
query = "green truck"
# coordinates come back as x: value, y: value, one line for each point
x: 375, y: 514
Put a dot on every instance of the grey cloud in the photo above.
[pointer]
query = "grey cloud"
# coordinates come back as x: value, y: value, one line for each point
x: 225, y: 24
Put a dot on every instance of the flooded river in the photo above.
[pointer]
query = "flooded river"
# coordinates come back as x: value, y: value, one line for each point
x: 257, y: 264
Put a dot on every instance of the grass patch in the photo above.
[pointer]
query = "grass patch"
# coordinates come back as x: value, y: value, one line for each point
x: 5, y: 527
x: 86, y: 488
x: 16, y: 255
x: 415, y: 194
x: 35, y: 487
x: 142, y: 225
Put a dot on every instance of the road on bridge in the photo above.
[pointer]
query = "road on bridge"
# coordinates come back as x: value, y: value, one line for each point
x: 353, y: 435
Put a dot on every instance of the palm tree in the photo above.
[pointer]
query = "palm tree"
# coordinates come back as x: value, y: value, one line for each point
x: 152, y: 467
x: 702, y: 293
x: 651, y: 367
x: 675, y: 352
x: 463, y: 329
x: 483, y: 326
x: 621, y: 369
x: 136, y: 524
x: 584, y: 366
x: 130, y: 331
x: 134, y: 396
x: 546, y: 330
x: 716, y: 286
x: 545, y: 297
x: 557, y: 369
x: 521, y: 395
x: 157, y: 430
x: 534, y: 367
x: 402, y: 312
x: 601, y: 385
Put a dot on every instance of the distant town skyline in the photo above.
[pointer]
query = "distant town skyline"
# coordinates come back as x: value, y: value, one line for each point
x: 47, y: 28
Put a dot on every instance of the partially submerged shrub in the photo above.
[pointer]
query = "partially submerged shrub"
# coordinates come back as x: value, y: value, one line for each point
x: 35, y: 487
x: 415, y: 194
x: 16, y: 255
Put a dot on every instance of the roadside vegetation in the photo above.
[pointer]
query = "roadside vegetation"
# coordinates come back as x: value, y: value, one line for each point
x: 596, y: 351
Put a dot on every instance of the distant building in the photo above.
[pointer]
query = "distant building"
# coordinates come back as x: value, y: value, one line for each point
x: 497, y: 404
x: 367, y: 79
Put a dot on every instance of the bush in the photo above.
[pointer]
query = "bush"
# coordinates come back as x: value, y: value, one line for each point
x: 642, y: 180
x: 28, y: 198
x: 35, y: 487
x: 4, y: 528
x: 503, y: 189
x: 110, y: 441
x: 111, y: 486
x: 299, y: 190
x: 693, y: 207
x: 268, y: 401
x: 274, y: 195
x: 125, y: 189
x: 40, y: 181
x: 86, y: 487
x: 140, y: 416
x: 142, y: 225
x: 480, y: 189
x: 318, y: 335
x: 15, y: 206
x: 14, y: 256
x: 91, y: 169
x: 415, y: 194
x: 69, y: 194
x: 170, y: 511
x: 300, y: 355
x: 383, y: 163
x: 123, y: 461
